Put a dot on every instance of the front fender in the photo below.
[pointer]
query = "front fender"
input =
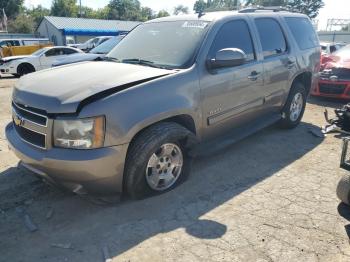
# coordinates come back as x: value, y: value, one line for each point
x: 130, y: 111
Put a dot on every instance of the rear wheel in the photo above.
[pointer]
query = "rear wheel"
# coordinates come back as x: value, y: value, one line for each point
x: 24, y: 69
x: 295, y: 106
x: 157, y: 160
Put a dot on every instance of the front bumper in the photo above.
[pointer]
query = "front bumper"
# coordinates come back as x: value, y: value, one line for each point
x: 334, y: 89
x: 96, y: 171
x: 7, y: 70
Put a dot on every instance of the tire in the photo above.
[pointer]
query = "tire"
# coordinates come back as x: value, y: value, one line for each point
x: 24, y: 69
x: 148, y: 144
x: 289, y: 119
x: 343, y: 189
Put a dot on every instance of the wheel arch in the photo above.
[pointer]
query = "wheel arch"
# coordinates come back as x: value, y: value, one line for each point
x: 25, y: 64
x: 305, y: 78
x: 184, y: 120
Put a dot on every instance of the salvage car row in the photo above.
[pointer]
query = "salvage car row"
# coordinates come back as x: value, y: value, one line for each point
x: 54, y: 56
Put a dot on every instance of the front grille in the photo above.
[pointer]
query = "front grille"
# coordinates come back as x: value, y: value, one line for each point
x: 31, y: 137
x: 29, y: 125
x: 332, y: 89
x: 30, y: 115
x: 339, y: 72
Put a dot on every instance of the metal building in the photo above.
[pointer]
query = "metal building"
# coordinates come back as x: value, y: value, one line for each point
x: 61, y: 29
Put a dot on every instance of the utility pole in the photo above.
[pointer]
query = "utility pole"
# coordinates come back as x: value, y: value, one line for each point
x: 80, y: 12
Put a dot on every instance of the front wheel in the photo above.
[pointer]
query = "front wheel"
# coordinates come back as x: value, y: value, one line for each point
x: 157, y: 160
x: 25, y: 69
x: 294, y: 108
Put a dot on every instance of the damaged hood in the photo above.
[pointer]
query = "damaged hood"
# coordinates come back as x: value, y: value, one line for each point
x: 11, y: 58
x: 62, y: 89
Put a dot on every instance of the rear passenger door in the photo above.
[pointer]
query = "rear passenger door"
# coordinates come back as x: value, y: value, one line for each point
x: 278, y: 62
x: 232, y: 95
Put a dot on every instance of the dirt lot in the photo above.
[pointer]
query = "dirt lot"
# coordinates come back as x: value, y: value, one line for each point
x: 270, y: 197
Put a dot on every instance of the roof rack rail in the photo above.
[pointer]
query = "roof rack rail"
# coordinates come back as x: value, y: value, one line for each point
x: 265, y: 8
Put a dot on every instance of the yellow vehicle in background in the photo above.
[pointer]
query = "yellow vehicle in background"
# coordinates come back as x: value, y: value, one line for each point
x: 21, y: 50
x: 15, y: 47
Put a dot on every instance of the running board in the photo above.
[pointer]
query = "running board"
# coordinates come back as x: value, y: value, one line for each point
x: 222, y: 142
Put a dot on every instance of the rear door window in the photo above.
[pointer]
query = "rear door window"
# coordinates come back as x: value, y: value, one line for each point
x: 303, y: 32
x: 271, y: 37
x: 68, y: 51
x: 234, y: 34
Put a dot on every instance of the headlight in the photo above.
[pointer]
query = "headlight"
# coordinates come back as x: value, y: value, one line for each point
x: 85, y: 133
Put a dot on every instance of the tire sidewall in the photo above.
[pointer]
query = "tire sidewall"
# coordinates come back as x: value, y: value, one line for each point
x: 136, y: 182
x: 286, y: 121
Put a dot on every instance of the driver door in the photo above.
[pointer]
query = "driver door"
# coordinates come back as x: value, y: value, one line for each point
x: 47, y: 59
x: 232, y: 96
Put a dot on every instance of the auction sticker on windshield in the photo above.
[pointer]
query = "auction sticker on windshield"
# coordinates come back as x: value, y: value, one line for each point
x: 195, y: 24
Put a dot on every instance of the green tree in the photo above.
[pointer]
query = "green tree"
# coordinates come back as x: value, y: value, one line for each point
x: 215, y: 5
x: 65, y: 8
x: 162, y: 13
x: 22, y: 24
x: 11, y: 7
x: 37, y: 13
x: 199, y: 6
x: 180, y: 9
x: 124, y: 10
x: 307, y: 7
x: 146, y: 14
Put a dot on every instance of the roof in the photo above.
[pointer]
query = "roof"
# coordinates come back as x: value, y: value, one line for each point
x: 76, y: 24
x: 217, y: 15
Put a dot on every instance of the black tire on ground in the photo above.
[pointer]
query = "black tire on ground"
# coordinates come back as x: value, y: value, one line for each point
x: 343, y: 189
x: 142, y: 148
x: 286, y: 122
x: 24, y: 69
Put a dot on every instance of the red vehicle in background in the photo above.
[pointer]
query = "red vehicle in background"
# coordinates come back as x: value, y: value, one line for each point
x: 334, y: 77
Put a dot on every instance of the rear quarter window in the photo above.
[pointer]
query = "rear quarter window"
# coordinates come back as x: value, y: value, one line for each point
x: 303, y: 32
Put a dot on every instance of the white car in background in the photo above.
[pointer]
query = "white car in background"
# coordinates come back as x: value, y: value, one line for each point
x: 93, y: 42
x: 39, y: 60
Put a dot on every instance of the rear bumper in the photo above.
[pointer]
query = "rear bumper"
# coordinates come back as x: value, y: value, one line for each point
x: 334, y: 89
x: 96, y: 171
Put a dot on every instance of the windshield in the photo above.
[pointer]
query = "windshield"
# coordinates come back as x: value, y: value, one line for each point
x: 168, y: 44
x: 107, y: 46
x: 39, y: 52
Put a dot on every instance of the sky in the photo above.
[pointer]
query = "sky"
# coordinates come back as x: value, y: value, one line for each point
x: 332, y: 9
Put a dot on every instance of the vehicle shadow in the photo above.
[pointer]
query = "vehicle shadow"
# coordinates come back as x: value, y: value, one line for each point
x: 327, y: 102
x: 214, y: 180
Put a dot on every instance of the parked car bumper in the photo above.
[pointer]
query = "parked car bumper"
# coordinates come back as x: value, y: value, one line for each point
x: 335, y: 89
x: 96, y: 171
x: 7, y: 70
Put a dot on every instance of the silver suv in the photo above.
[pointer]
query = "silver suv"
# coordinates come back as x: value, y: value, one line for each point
x: 127, y: 124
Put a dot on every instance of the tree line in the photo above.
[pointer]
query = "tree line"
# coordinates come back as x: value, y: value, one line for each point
x: 25, y: 20
x: 308, y: 7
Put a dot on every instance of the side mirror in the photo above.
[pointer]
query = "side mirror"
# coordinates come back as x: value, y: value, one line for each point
x: 228, y: 57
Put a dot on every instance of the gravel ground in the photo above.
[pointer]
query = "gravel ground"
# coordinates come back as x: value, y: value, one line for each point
x: 270, y: 197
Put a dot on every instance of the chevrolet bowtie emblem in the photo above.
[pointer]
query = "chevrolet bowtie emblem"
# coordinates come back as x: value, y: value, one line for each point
x: 18, y: 120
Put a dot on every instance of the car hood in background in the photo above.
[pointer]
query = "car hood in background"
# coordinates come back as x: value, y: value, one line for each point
x: 10, y: 58
x: 61, y: 89
x: 333, y: 61
x: 75, y: 58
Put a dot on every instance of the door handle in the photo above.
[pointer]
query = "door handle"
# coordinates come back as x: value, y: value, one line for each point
x: 290, y: 64
x: 254, y: 76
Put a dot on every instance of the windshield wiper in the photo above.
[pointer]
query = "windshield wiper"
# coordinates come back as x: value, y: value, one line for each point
x: 112, y: 59
x: 139, y: 61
